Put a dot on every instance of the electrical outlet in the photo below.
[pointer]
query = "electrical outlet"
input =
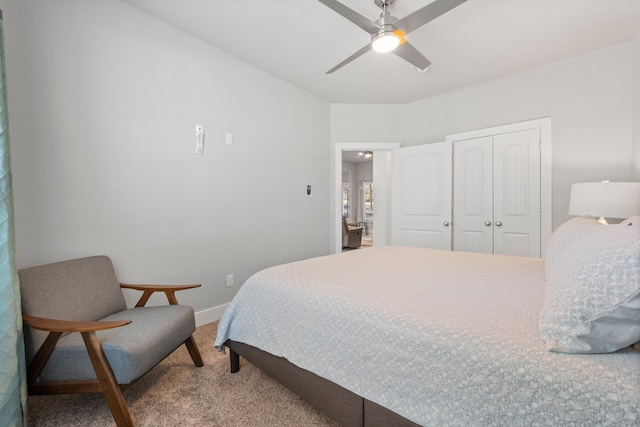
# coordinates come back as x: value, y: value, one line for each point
x: 229, y: 280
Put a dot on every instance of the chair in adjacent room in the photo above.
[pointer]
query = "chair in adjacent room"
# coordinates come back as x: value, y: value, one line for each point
x: 81, y: 338
x: 351, y: 235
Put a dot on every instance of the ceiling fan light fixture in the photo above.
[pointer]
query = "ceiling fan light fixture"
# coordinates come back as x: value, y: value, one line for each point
x: 385, y: 41
x: 388, y: 32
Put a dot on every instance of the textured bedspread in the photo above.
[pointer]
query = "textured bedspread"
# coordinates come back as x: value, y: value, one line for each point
x: 441, y: 338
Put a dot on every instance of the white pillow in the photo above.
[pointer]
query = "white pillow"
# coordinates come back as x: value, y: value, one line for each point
x: 565, y: 236
x: 592, y: 298
x: 634, y: 221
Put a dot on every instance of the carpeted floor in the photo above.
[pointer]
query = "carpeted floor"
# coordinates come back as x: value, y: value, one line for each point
x: 176, y: 393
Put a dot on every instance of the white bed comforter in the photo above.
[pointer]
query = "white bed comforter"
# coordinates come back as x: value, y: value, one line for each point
x: 441, y: 338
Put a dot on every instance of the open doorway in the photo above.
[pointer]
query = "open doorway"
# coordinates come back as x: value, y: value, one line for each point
x: 357, y: 197
x: 381, y: 155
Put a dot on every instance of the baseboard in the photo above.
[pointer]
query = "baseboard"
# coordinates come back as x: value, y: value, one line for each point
x: 210, y: 315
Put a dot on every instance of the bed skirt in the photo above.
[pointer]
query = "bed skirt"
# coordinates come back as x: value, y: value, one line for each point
x: 342, y: 405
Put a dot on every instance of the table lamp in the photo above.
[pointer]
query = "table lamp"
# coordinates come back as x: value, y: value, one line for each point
x: 605, y: 200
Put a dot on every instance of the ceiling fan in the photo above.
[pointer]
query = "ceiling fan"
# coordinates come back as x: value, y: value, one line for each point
x: 387, y: 33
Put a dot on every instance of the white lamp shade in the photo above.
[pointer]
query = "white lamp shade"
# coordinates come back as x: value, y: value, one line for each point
x: 605, y: 199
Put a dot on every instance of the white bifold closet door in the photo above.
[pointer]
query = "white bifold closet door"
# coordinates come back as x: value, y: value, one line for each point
x: 496, y: 194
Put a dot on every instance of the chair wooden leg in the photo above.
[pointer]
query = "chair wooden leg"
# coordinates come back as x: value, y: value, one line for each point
x: 42, y: 356
x: 110, y: 388
x: 194, y: 352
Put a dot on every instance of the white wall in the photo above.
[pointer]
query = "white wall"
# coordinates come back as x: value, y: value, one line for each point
x: 103, y: 102
x: 350, y: 172
x: 356, y: 172
x: 367, y: 123
x: 365, y: 171
x: 588, y: 98
x: 636, y: 107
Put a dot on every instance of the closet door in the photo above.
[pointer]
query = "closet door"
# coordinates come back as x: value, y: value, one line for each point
x: 516, y: 193
x: 421, y: 208
x: 473, y: 195
x: 496, y: 185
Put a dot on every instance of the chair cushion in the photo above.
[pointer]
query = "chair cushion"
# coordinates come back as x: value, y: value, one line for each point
x: 85, y: 289
x: 131, y: 350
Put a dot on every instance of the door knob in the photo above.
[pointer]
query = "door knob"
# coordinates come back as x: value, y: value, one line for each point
x: 446, y: 223
x: 487, y: 223
x: 498, y: 223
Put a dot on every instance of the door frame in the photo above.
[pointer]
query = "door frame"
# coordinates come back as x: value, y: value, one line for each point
x: 546, y: 187
x: 381, y: 173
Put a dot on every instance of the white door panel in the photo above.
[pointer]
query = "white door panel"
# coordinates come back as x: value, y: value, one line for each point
x: 421, y: 238
x: 517, y: 193
x: 473, y: 241
x: 421, y: 213
x: 472, y: 195
x: 510, y: 243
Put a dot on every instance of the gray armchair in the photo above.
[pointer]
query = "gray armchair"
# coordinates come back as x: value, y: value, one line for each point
x: 81, y: 338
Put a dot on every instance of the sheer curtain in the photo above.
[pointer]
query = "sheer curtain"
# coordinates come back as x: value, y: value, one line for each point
x: 13, y: 385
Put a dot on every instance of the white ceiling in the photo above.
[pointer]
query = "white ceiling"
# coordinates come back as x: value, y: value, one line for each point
x: 355, y: 157
x: 480, y: 40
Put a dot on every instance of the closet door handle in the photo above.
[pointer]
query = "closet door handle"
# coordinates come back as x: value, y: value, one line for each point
x: 446, y: 223
x: 498, y: 223
x: 487, y: 223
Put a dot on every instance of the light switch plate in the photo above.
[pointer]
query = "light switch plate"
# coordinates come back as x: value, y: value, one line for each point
x: 199, y: 139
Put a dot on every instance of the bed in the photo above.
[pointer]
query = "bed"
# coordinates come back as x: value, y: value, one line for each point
x: 408, y: 336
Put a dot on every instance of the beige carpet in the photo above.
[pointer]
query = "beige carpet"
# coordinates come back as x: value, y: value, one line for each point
x: 176, y: 393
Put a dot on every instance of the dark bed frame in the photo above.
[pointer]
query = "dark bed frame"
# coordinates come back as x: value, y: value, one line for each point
x: 342, y: 405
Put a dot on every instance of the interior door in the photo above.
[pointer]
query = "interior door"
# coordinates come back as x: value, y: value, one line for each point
x: 421, y: 194
x: 516, y: 164
x: 473, y: 195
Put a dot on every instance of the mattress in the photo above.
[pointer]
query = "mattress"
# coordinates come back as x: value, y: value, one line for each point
x: 439, y: 337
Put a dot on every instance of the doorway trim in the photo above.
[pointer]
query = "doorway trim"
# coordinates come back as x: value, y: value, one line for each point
x: 382, y: 172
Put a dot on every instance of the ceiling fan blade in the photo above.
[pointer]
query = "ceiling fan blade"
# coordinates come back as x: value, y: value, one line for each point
x: 428, y: 13
x: 410, y: 54
x: 353, y: 16
x: 359, y: 53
